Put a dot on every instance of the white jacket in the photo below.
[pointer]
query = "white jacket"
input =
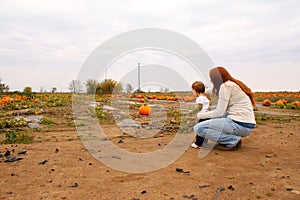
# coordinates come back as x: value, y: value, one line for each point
x: 233, y: 102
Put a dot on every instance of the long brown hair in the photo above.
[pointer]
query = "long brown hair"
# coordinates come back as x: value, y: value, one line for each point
x: 220, y: 75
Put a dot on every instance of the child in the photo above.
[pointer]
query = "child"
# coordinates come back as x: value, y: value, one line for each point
x: 202, y: 102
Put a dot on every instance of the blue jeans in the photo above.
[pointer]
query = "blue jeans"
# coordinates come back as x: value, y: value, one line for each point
x: 222, y: 130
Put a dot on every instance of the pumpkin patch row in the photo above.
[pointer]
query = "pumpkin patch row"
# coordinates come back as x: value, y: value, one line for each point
x: 282, y: 104
x: 162, y: 97
x: 9, y: 99
x: 17, y: 102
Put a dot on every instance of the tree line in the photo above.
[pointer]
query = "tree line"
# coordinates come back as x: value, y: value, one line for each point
x: 108, y: 86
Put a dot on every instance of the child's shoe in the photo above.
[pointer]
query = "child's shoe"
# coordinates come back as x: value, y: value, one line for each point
x: 196, y: 146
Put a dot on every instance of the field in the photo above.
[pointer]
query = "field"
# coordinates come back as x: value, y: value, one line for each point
x: 42, y: 155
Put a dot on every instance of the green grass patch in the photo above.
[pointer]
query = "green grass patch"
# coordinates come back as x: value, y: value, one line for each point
x: 269, y: 194
x: 174, y: 113
x: 288, y: 106
x: 261, y: 118
x: 12, y: 123
x: 79, y: 125
x: 278, y: 127
x: 46, y: 121
x: 14, y: 137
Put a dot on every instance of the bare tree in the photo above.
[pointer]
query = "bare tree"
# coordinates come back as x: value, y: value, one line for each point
x: 164, y: 89
x: 118, y: 88
x: 75, y: 86
x: 41, y: 90
x: 53, y: 90
x: 129, y: 88
x: 91, y: 86
x: 3, y: 87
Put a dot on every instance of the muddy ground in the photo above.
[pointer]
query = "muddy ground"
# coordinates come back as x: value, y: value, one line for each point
x: 56, y: 165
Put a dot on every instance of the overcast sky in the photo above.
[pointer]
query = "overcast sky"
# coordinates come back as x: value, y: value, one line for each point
x: 44, y: 43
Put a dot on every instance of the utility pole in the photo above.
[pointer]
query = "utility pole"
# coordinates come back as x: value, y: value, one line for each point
x: 139, y: 77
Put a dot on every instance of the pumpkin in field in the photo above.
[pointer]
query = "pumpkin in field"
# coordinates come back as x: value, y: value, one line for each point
x: 170, y: 98
x: 284, y: 101
x: 19, y: 98
x: 296, y: 103
x: 2, y: 102
x: 161, y: 97
x: 24, y: 98
x: 266, y: 102
x: 188, y: 99
x: 145, y: 110
x: 6, y: 100
x: 152, y: 97
x: 139, y: 96
x: 141, y: 100
x: 36, y: 101
x: 280, y: 102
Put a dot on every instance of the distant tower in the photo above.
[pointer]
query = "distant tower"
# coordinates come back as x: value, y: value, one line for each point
x: 139, y: 77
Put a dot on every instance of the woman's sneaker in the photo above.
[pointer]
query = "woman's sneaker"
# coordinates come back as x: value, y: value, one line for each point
x: 196, y: 146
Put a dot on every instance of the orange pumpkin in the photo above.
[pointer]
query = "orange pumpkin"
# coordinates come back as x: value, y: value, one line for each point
x: 36, y: 101
x: 188, y: 99
x: 18, y: 98
x: 141, y: 100
x: 161, y: 97
x: 7, y: 99
x: 284, y: 101
x: 296, y: 103
x: 266, y: 102
x: 151, y: 97
x: 280, y: 102
x: 145, y: 110
x: 139, y: 96
x: 170, y: 98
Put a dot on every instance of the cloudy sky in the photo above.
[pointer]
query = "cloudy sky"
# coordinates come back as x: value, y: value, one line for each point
x: 43, y: 44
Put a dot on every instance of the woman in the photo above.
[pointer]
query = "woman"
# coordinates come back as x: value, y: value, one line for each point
x: 233, y: 117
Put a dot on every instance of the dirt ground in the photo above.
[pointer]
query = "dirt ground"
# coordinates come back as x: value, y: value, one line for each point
x: 266, y: 167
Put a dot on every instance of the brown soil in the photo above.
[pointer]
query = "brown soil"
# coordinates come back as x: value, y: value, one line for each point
x: 266, y: 167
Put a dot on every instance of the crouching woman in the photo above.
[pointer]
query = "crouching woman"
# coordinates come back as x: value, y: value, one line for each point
x: 233, y: 117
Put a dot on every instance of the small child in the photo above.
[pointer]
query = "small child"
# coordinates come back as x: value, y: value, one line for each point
x: 202, y: 102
